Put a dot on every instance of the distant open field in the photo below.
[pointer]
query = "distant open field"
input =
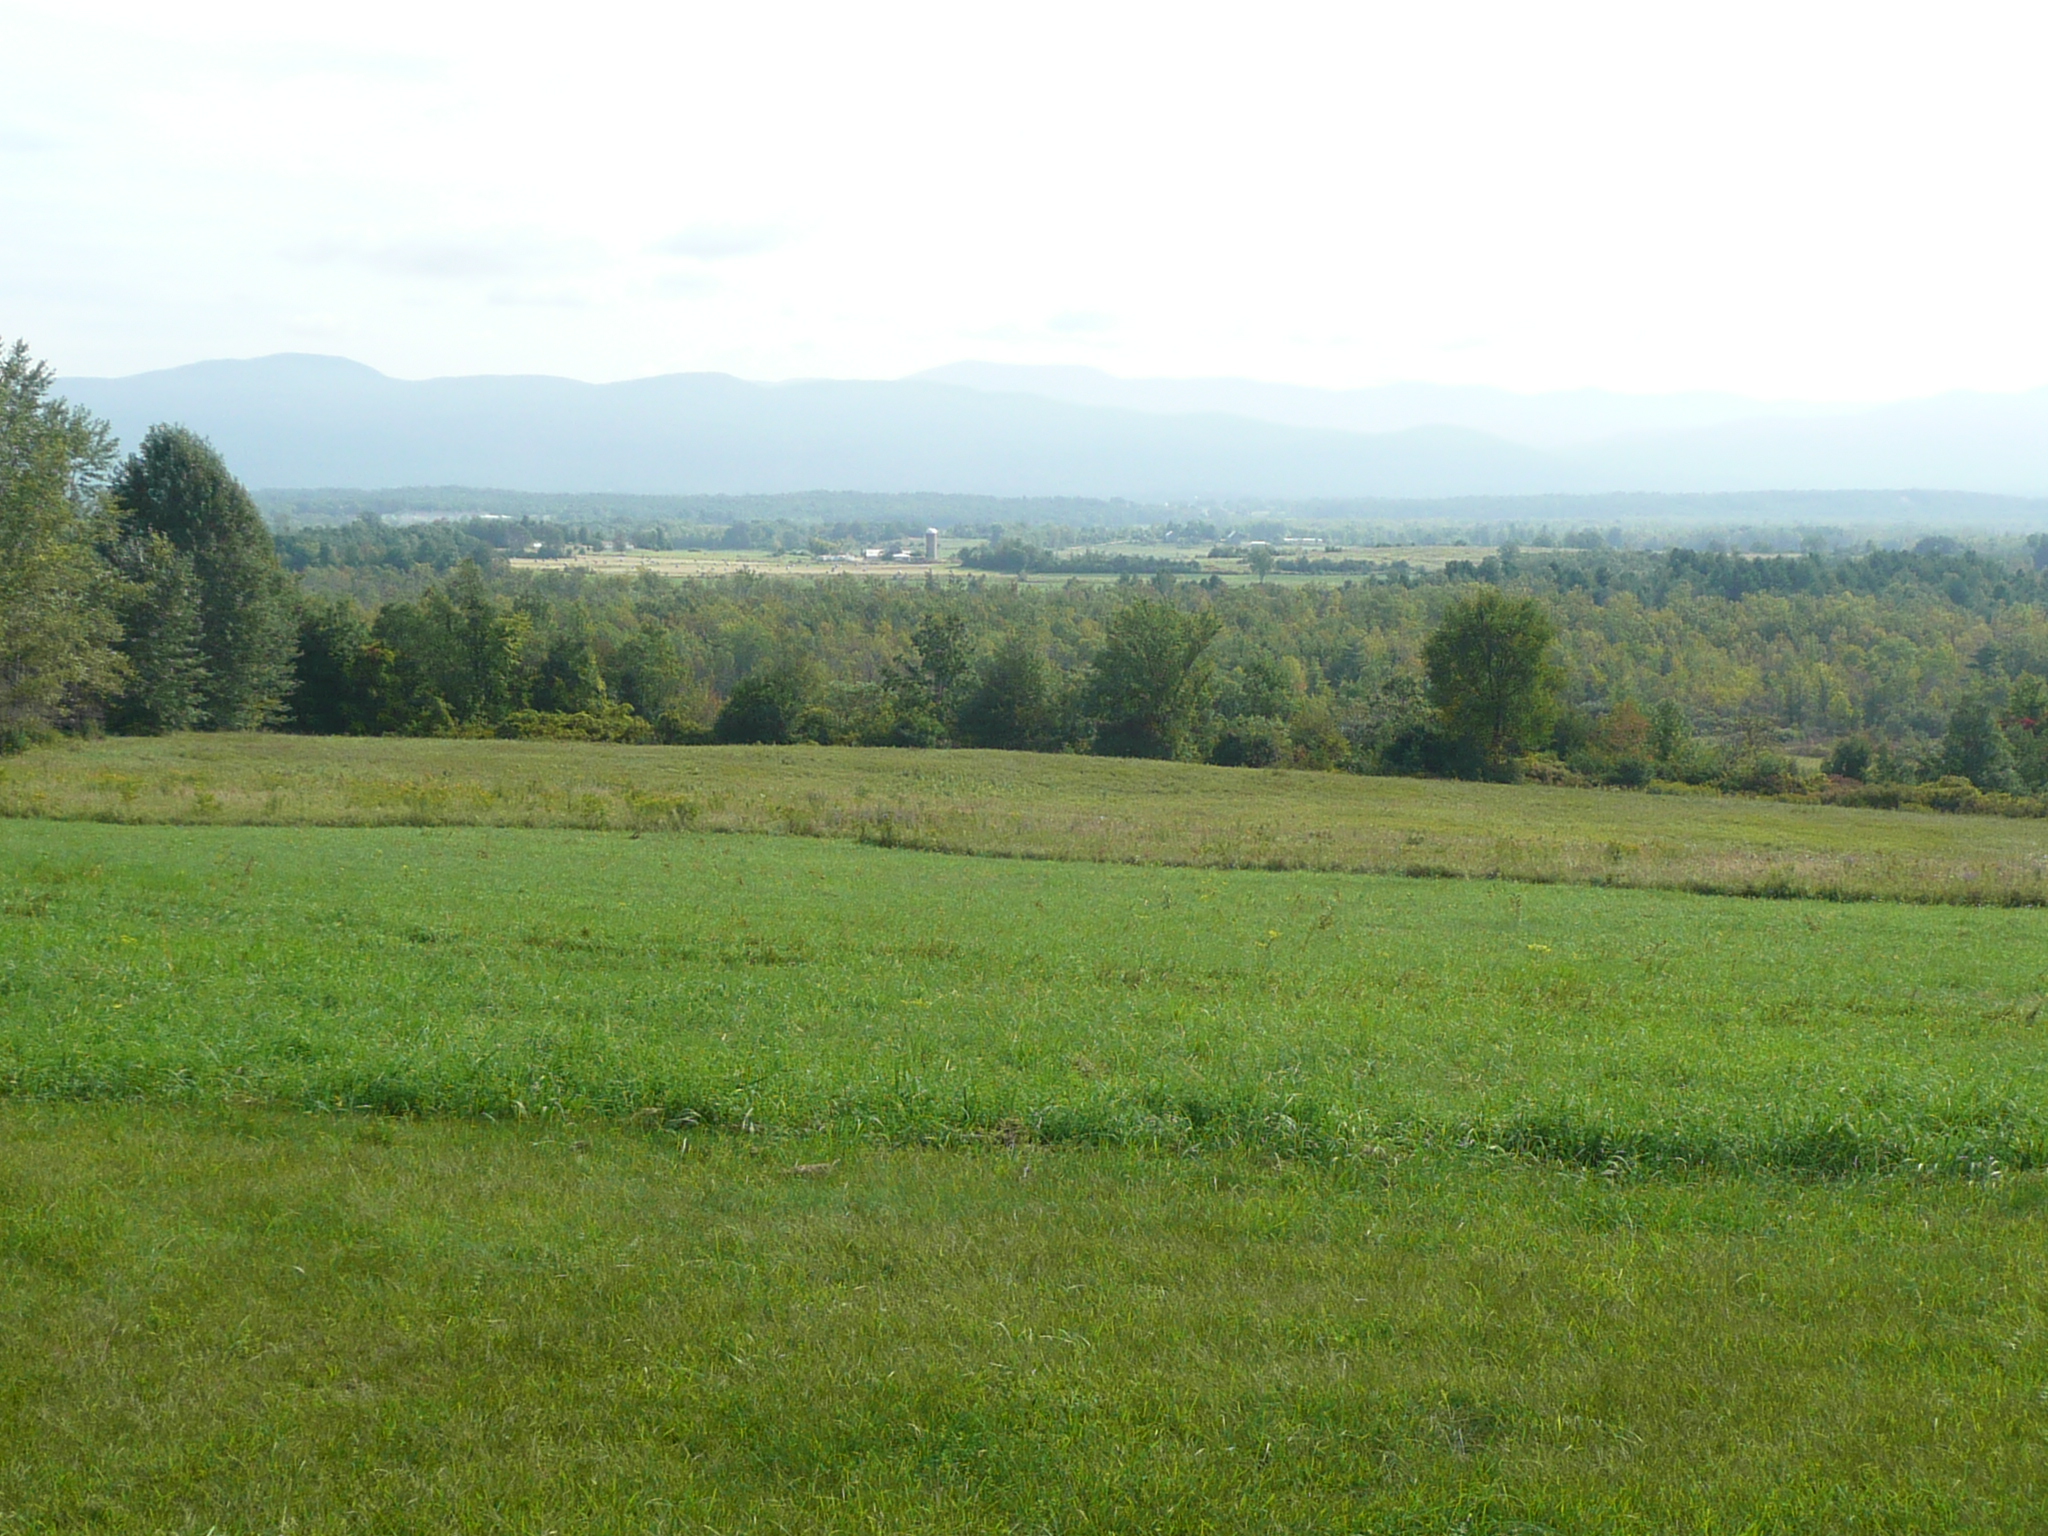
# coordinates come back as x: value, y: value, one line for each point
x: 768, y: 562
x: 758, y: 562
x: 1038, y: 806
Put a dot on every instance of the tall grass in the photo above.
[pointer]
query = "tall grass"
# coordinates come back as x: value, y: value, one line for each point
x: 1049, y: 807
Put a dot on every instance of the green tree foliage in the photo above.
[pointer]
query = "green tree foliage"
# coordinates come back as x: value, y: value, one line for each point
x: 1888, y: 656
x: 1261, y: 559
x: 176, y: 486
x: 927, y: 687
x: 58, y: 624
x: 1149, y: 688
x: 651, y: 675
x: 1393, y: 729
x: 457, y: 653
x: 1490, y: 678
x: 2026, y: 728
x: 1616, y: 749
x: 945, y: 653
x: 1851, y: 758
x: 161, y: 637
x: 343, y: 677
x: 1975, y: 747
x: 1670, y: 731
x: 764, y: 708
x: 1251, y: 741
x: 567, y: 679
x: 1703, y: 668
x: 1259, y: 685
x: 1014, y: 703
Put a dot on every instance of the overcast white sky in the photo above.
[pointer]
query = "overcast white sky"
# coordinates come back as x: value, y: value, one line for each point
x: 1819, y: 201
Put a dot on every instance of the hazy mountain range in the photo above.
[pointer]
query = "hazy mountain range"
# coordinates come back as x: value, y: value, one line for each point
x: 1562, y: 421
x: 301, y: 420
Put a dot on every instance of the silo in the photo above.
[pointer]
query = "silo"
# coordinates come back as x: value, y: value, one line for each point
x: 931, y: 545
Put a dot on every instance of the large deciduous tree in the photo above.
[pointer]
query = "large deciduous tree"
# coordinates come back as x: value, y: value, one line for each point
x: 57, y: 595
x: 175, y: 486
x: 1015, y: 701
x: 1148, y: 691
x: 1490, y: 677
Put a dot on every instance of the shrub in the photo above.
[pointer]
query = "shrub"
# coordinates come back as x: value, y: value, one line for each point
x: 1851, y: 758
x: 608, y: 722
x: 1258, y: 741
x: 763, y: 709
x: 1629, y: 772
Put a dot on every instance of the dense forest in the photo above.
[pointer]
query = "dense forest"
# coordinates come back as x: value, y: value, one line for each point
x: 149, y: 595
x: 1682, y: 666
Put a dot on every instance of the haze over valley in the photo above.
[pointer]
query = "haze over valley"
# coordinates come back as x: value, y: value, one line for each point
x: 986, y: 429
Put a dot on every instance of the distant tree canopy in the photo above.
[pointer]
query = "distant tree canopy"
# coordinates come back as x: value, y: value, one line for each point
x: 1975, y: 747
x: 1574, y: 682
x: 927, y: 690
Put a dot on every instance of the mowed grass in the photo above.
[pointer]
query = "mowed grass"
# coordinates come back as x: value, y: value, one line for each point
x: 244, y: 1321
x: 797, y: 986
x: 1050, y: 807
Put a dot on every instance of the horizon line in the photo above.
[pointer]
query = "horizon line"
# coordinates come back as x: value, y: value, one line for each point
x: 924, y: 375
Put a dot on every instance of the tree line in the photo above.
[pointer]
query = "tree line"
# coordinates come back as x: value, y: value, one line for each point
x: 146, y: 595
x: 140, y: 594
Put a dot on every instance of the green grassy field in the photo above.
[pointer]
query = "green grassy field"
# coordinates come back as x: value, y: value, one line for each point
x: 1050, y: 807
x: 250, y: 1322
x: 525, y: 1176
x: 818, y: 986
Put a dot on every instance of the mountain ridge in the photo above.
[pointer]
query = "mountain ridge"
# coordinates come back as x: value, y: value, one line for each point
x: 303, y: 419
x: 307, y: 419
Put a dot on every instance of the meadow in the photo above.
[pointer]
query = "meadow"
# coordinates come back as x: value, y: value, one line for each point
x: 253, y: 1322
x: 1044, y: 806
x: 795, y: 984
x: 571, y: 1147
